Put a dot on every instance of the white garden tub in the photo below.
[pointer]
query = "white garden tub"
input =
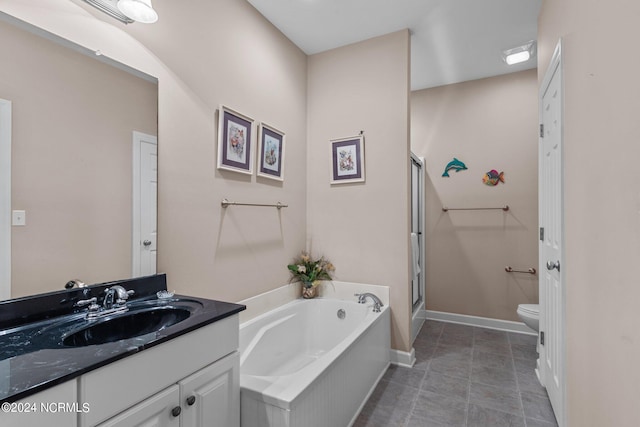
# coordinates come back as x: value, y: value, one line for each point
x: 302, y: 365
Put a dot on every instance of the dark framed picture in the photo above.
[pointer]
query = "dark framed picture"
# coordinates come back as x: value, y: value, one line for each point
x: 347, y: 160
x: 235, y: 148
x: 270, y: 152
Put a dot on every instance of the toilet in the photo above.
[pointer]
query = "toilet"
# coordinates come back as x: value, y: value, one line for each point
x: 530, y: 315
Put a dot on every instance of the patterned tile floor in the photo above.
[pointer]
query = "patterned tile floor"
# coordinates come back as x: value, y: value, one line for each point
x: 464, y: 376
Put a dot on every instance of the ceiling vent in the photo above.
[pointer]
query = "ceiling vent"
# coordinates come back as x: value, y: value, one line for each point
x: 110, y: 7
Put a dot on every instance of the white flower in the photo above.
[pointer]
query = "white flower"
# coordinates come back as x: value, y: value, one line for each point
x: 302, y: 269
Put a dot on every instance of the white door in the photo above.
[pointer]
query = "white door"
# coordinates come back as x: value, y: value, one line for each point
x: 552, y: 360
x: 145, y: 196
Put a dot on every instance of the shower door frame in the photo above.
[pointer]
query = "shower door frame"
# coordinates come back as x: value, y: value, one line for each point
x: 418, y: 309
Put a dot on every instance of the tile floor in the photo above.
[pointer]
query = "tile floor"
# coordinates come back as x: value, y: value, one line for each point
x: 463, y: 376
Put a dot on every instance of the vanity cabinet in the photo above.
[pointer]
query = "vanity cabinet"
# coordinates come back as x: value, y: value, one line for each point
x: 200, y: 367
x: 53, y: 407
x: 208, y: 398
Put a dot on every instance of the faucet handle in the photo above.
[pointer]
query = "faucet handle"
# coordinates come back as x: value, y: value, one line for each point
x: 92, y: 303
x: 84, y: 302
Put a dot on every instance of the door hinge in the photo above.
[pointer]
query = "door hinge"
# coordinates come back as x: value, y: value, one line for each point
x: 541, y: 337
x: 541, y: 130
x: 542, y: 234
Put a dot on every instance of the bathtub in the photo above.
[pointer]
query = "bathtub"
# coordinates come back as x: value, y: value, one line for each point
x: 311, y: 363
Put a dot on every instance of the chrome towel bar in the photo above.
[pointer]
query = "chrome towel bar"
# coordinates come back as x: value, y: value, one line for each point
x: 226, y: 203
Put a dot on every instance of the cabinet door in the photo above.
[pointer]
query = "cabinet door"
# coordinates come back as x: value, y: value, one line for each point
x: 211, y: 396
x: 156, y: 411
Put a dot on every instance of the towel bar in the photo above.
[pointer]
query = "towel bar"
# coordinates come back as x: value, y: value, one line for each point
x: 225, y: 203
x: 446, y: 209
x: 530, y: 270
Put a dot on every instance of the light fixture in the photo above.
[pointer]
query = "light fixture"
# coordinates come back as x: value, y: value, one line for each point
x: 138, y: 10
x: 518, y: 54
x: 110, y: 7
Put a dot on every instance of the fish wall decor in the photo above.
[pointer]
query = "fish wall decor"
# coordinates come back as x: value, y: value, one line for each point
x: 492, y: 177
x: 455, y: 165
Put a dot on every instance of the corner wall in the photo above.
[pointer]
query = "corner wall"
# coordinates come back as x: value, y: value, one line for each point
x: 363, y: 228
x: 602, y: 216
x: 487, y: 124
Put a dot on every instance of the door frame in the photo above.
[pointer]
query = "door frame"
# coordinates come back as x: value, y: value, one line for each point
x: 138, y: 138
x: 555, y: 66
x: 5, y: 199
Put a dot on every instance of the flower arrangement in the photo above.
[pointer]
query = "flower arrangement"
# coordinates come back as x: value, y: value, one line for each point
x: 309, y: 271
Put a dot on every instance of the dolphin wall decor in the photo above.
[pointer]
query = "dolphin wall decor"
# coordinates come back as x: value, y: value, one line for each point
x: 455, y: 165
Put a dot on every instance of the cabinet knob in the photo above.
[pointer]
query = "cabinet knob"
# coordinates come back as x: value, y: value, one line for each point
x: 176, y: 411
x: 191, y: 400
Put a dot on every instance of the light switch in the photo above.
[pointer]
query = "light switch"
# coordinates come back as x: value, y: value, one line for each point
x: 19, y: 218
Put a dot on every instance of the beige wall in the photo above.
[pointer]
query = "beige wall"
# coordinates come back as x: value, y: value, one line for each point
x: 602, y: 220
x: 73, y: 119
x: 363, y: 227
x: 487, y: 124
x: 206, y: 54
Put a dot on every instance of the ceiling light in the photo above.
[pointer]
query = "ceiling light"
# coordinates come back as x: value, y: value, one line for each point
x: 518, y: 54
x: 110, y: 7
x: 138, y: 10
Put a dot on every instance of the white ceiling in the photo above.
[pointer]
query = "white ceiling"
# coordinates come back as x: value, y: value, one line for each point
x: 451, y: 40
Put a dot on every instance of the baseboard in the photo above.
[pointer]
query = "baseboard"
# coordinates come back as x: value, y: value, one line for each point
x: 403, y: 358
x: 484, y: 322
x: 417, y: 320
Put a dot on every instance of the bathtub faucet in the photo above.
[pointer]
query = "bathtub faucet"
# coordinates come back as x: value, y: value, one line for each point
x: 376, y: 301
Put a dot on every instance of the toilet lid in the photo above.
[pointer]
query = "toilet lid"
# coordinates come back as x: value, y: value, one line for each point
x: 530, y: 308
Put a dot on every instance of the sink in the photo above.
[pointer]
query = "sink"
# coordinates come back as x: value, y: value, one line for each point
x: 128, y: 325
x: 144, y: 318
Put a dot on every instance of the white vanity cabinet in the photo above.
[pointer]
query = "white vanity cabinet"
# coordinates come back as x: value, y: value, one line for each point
x: 53, y: 407
x: 208, y: 398
x: 156, y: 386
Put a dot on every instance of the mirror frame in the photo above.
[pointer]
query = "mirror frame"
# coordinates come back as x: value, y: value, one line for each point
x: 5, y: 199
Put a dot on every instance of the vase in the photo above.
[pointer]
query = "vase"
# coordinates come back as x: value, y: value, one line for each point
x: 309, y: 290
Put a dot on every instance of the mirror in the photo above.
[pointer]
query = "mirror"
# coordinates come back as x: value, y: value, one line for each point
x: 75, y: 117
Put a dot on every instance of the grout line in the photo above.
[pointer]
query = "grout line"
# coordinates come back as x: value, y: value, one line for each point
x: 473, y: 352
x: 515, y: 372
x: 413, y: 405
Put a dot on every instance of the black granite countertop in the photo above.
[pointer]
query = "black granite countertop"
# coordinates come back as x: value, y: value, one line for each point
x: 33, y: 357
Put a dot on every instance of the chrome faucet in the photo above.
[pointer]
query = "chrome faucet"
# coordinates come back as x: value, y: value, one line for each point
x: 115, y: 297
x: 115, y: 301
x: 377, y: 303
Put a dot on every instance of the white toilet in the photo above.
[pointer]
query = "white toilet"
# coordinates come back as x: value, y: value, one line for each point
x: 530, y: 315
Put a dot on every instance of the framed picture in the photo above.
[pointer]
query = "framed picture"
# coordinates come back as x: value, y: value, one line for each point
x: 270, y: 152
x: 347, y: 160
x: 235, y: 141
